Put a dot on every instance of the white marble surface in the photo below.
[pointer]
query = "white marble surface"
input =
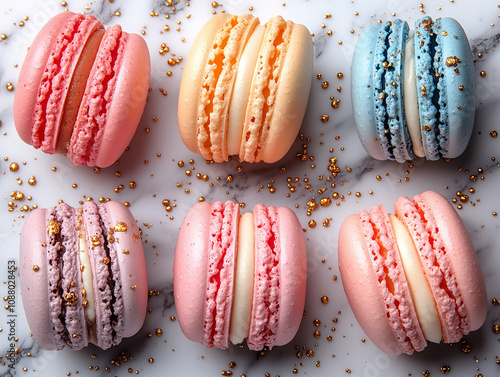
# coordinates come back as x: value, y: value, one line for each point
x: 158, y: 179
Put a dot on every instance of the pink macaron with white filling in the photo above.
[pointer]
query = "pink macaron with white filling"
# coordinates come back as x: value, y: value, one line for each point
x: 412, y: 277
x: 240, y: 277
x: 82, y: 275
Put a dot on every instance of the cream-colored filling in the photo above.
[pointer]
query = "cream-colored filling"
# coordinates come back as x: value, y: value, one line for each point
x: 241, y: 90
x: 87, y: 287
x: 410, y: 97
x: 423, y: 300
x: 243, y: 280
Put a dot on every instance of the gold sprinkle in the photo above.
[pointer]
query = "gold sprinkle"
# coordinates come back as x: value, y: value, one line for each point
x: 312, y: 224
x: 53, y: 227
x: 126, y: 252
x: 340, y: 75
x: 120, y: 227
x: 324, y: 299
x: 35, y: 268
x: 95, y: 241
x: 14, y: 166
x: 32, y: 181
x: 158, y: 332
x: 493, y: 134
x: 10, y: 87
x: 324, y: 118
x: 452, y: 61
x: 482, y: 73
x: 70, y: 298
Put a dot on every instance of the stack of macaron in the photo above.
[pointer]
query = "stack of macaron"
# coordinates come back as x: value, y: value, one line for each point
x: 245, y: 88
x: 413, y: 92
x: 82, y: 275
x: 240, y: 277
x: 412, y: 277
x: 82, y: 89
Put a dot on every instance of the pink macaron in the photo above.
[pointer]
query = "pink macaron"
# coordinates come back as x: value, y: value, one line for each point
x: 240, y: 277
x: 82, y: 89
x: 82, y: 275
x: 414, y: 276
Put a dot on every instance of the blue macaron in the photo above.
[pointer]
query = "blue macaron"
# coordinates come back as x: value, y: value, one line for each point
x: 439, y: 123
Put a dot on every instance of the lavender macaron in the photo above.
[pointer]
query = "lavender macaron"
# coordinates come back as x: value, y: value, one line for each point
x: 83, y: 275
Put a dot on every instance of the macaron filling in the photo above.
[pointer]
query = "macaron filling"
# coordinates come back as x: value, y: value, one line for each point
x: 421, y: 294
x: 410, y: 97
x: 87, y: 291
x: 241, y: 90
x: 76, y: 90
x: 243, y: 280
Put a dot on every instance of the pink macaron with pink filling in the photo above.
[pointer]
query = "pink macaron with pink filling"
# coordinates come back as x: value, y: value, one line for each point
x: 412, y: 277
x: 82, y: 89
x: 82, y: 275
x: 240, y: 277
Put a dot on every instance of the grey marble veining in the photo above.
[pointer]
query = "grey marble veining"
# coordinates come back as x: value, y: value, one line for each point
x: 157, y: 141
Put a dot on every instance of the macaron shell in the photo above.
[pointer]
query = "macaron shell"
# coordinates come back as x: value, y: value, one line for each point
x: 128, y: 265
x: 293, y: 275
x: 358, y: 277
x: 462, y: 255
x: 458, y: 91
x: 190, y: 271
x: 32, y: 72
x: 362, y: 86
x: 291, y: 98
x: 265, y: 85
x: 192, y: 77
x: 115, y: 95
x: 126, y: 104
x: 264, y: 322
x: 33, y: 271
x: 101, y: 275
x: 445, y: 73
